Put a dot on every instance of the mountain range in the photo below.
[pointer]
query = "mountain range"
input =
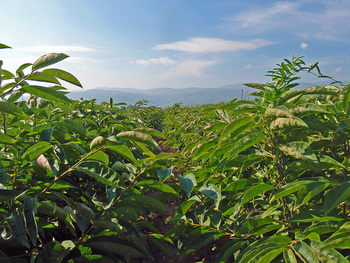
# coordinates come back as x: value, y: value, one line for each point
x: 167, y: 97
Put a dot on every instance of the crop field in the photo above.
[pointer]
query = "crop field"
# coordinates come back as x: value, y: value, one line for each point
x: 258, y: 180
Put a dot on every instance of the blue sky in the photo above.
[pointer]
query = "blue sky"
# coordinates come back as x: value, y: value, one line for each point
x: 183, y: 43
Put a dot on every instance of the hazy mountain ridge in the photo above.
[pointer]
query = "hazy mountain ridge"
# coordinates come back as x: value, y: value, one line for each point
x: 167, y: 97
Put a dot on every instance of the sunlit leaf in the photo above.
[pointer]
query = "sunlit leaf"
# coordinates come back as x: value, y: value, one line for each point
x: 48, y: 60
x: 46, y: 93
x: 64, y: 75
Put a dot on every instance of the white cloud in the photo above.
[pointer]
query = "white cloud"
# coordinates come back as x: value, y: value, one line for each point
x: 337, y: 70
x: 190, y: 68
x: 162, y: 60
x: 249, y: 66
x: 326, y: 20
x: 207, y: 45
x: 261, y: 17
x: 304, y: 45
x: 57, y: 49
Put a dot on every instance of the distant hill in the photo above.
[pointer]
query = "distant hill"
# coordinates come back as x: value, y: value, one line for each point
x: 163, y: 97
x: 167, y: 97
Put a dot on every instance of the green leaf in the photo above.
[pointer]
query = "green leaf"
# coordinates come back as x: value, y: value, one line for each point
x: 329, y: 255
x: 289, y: 256
x: 99, y: 156
x: 15, y: 223
x: 254, y: 191
x: 10, y: 108
x: 6, y: 139
x: 304, y: 252
x: 39, y: 76
x: 48, y: 60
x: 138, y: 137
x: 3, y: 46
x: 29, y: 211
x: 277, y: 113
x: 187, y: 183
x: 51, y: 252
x: 246, y: 142
x: 284, y: 123
x: 110, y: 224
x: 157, y: 185
x: 200, y: 240
x: 23, y: 67
x: 234, y: 125
x: 61, y: 74
x: 183, y: 208
x: 122, y: 150
x: 46, y: 93
x: 336, y: 195
x: 211, y: 191
x: 299, y: 150
x: 98, y: 142
x: 288, y: 189
x: 146, y: 201
x: 36, y: 150
x: 150, y: 131
x: 8, y: 194
x: 46, y: 134
x: 323, y: 90
x: 340, y: 239
x: 101, y: 173
x: 228, y: 250
x: 257, y: 250
x: 115, y: 245
x: 164, y: 173
x: 75, y: 127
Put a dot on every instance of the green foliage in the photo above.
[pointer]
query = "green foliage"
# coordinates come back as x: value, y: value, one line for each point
x: 76, y: 177
x: 254, y: 181
x: 270, y: 177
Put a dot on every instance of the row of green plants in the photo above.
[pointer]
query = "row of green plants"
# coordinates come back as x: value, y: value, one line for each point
x: 267, y: 180
x: 78, y: 180
x: 256, y: 181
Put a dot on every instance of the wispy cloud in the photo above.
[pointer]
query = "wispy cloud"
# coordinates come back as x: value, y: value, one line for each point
x: 262, y: 17
x: 52, y: 49
x: 162, y: 60
x: 337, y: 70
x: 304, y: 45
x: 213, y: 45
x: 326, y: 20
x: 189, y: 68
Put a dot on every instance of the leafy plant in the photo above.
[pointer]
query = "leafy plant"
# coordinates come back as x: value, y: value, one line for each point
x: 268, y: 179
x: 75, y: 177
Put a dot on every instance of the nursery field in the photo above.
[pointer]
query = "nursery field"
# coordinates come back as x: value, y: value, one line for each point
x: 259, y: 180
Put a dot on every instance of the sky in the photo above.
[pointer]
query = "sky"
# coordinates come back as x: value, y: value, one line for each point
x: 176, y: 43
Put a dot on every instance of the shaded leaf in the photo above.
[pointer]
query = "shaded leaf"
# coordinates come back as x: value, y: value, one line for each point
x: 254, y: 191
x: 146, y: 201
x: 15, y: 223
x: 336, y: 195
x: 29, y: 211
x: 164, y: 173
x: 101, y: 173
x: 115, y: 245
